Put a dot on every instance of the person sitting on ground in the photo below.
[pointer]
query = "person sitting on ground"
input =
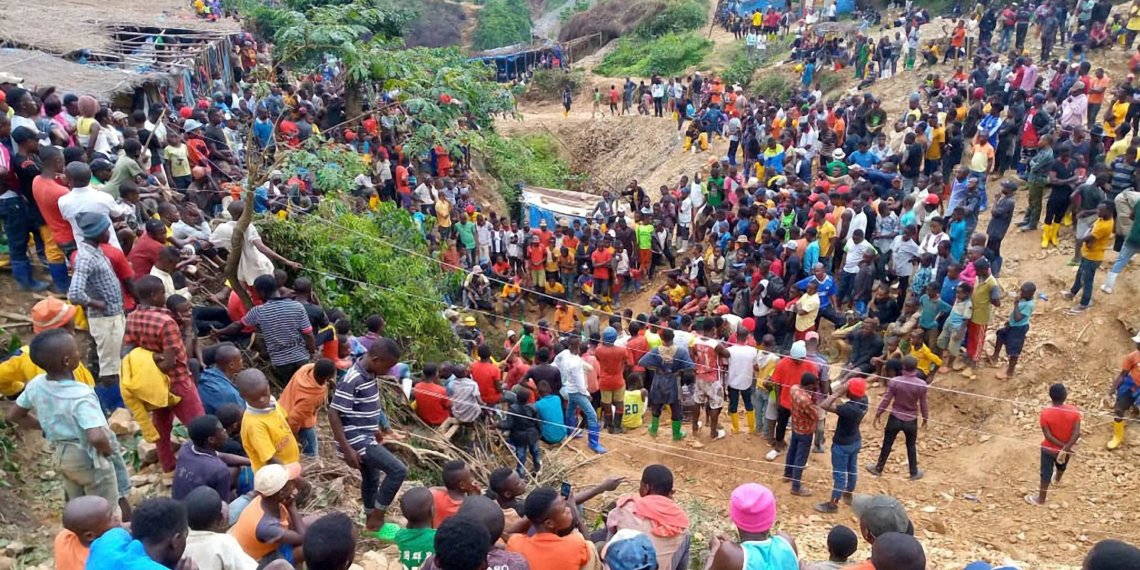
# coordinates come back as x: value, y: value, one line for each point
x: 630, y: 550
x: 215, y: 383
x: 208, y: 545
x: 506, y: 486
x: 554, y: 545
x: 200, y: 462
x: 879, y: 515
x: 485, y: 512
x: 303, y: 397
x: 461, y: 544
x: 416, y: 541
x: 458, y: 483
x: 841, y: 545
x: 85, y: 519
x: 156, y: 540
x: 271, y: 527
x: 753, y: 511
x: 1112, y: 555
x: 654, y: 512
x: 897, y: 551
x: 330, y: 543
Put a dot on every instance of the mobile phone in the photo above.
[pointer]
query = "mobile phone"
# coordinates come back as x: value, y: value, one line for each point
x: 565, y: 489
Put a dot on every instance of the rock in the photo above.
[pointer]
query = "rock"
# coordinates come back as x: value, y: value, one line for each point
x: 16, y: 548
x: 985, y: 438
x: 373, y: 560
x: 47, y: 475
x: 7, y: 563
x: 148, y: 453
x: 120, y: 422
x: 929, y: 509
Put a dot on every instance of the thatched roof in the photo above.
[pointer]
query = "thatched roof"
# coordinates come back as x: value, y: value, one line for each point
x: 66, y: 26
x: 41, y: 69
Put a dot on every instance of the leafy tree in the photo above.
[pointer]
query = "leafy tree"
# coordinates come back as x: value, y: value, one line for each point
x: 502, y: 23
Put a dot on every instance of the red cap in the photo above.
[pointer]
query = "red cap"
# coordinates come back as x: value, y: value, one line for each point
x: 186, y: 112
x: 857, y: 387
x: 749, y: 324
x: 722, y: 310
x: 979, y: 93
x: 819, y: 206
x: 779, y: 304
x: 931, y: 199
x: 843, y: 189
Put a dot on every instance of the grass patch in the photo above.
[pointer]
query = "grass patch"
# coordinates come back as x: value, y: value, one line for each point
x: 535, y: 159
x: 548, y: 84
x: 578, y: 7
x: 502, y: 23
x: 828, y: 80
x: 670, y: 54
x: 679, y: 16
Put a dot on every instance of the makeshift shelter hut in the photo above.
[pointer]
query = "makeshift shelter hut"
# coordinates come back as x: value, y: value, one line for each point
x: 558, y: 206
x: 514, y: 61
x: 39, y: 70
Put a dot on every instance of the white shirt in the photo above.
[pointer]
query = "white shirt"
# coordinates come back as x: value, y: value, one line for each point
x: 217, y: 551
x: 697, y: 196
x: 930, y: 242
x: 685, y: 213
x: 855, y: 254
x: 425, y: 194
x: 741, y: 366
x: 88, y: 199
x: 184, y: 231
x: 168, y: 283
x: 253, y: 263
x: 573, y: 370
x: 858, y: 222
x: 904, y: 252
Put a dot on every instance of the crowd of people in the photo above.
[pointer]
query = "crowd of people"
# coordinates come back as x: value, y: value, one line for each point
x: 831, y: 250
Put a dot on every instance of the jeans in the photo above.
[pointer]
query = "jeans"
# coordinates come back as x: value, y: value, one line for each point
x: 1126, y: 252
x: 797, y: 457
x: 1006, y: 36
x: 377, y: 458
x: 520, y: 455
x: 575, y: 402
x: 734, y: 397
x: 846, y: 286
x: 844, y: 467
x: 782, y: 416
x: 307, y: 437
x: 1084, y: 281
x: 17, y: 218
x: 760, y: 403
x: 910, y: 432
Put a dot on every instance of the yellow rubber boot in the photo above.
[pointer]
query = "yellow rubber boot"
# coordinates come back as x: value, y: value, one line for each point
x: 1068, y: 219
x: 1117, y: 434
x: 1054, y: 235
x: 1045, y: 231
x: 750, y: 418
x: 735, y: 417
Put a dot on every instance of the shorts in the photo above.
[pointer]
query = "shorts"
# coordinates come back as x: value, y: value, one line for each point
x: 1013, y: 337
x: 538, y: 277
x: 709, y: 394
x: 1124, y: 402
x: 1049, y: 463
x: 611, y: 396
x: 81, y: 475
x: 108, y: 335
x: 951, y: 338
x: 687, y: 398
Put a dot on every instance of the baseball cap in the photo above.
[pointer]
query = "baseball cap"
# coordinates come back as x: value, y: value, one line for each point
x: 881, y: 514
x: 51, y: 313
x: 811, y: 336
x: 799, y: 349
x: 931, y: 199
x: 752, y: 507
x: 857, y: 387
x: 609, y: 335
x: 629, y: 550
x: 271, y: 478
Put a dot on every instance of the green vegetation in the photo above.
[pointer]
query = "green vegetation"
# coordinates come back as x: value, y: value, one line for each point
x: 774, y: 86
x: 407, y: 289
x: 742, y: 67
x: 502, y: 23
x: 670, y: 54
x: 333, y: 168
x: 679, y: 16
x: 533, y: 158
x: 578, y: 7
x: 828, y: 80
x: 548, y: 84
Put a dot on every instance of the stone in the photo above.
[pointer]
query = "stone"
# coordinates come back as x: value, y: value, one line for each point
x: 148, y: 453
x: 120, y: 422
x: 16, y: 548
x: 373, y: 560
x: 7, y: 563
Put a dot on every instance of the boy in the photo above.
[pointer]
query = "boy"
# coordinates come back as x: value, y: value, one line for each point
x: 634, y: 403
x: 1061, y: 425
x: 208, y: 545
x: 549, y: 408
x: 303, y: 397
x: 928, y: 361
x: 330, y: 543
x: 550, y: 548
x: 84, y: 519
x: 201, y: 465
x: 430, y: 398
x: 416, y: 542
x: 1012, y: 335
x: 764, y: 398
x: 931, y: 309
x: 466, y: 401
x: 265, y: 433
x: 70, y: 417
x: 231, y: 416
x: 523, y: 428
x: 954, y: 330
x: 841, y: 545
x: 458, y: 483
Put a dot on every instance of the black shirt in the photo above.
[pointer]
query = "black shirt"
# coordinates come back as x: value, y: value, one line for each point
x: 548, y: 373
x: 850, y: 416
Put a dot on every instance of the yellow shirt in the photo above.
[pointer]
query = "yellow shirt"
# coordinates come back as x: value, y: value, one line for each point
x: 677, y: 294
x: 757, y: 20
x: 564, y: 319
x: 554, y: 288
x: 443, y: 213
x: 511, y: 289
x: 1117, y: 149
x: 1102, y: 238
x: 19, y: 369
x: 825, y: 233
x: 634, y: 408
x: 937, y: 138
x: 266, y: 435
x: 1119, y: 111
x: 980, y: 157
x: 1133, y: 18
x: 926, y: 358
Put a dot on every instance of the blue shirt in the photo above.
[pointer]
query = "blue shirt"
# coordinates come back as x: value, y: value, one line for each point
x: 957, y: 239
x: 116, y: 550
x: 772, y: 554
x: 1025, y: 308
x: 825, y: 289
x: 930, y: 309
x: 949, y: 287
x: 263, y: 130
x: 550, y: 412
x: 811, y: 255
x: 215, y: 391
x: 866, y: 159
x: 260, y: 199
x: 66, y: 409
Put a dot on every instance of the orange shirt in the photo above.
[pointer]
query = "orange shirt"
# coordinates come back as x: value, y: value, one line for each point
x: 1061, y: 420
x: 612, y: 362
x: 302, y: 397
x: 70, y: 554
x: 486, y: 375
x: 548, y: 551
x: 245, y: 529
x: 959, y: 37
x: 445, y: 506
x: 840, y: 128
x: 47, y: 193
x: 564, y: 320
x: 1095, y: 83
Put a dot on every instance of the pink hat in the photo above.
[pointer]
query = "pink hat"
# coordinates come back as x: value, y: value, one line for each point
x: 753, y: 508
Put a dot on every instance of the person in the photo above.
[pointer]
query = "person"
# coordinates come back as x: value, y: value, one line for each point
x: 612, y: 364
x: 1093, y: 247
x: 95, y: 288
x: 1112, y: 554
x: 630, y: 550
x: 906, y: 398
x: 265, y: 434
x: 215, y: 383
x: 462, y: 543
x: 987, y: 294
x: 70, y: 417
x: 841, y: 546
x: 741, y: 380
x: 574, y: 370
x: 1061, y: 426
x: 847, y: 441
x: 330, y: 543
x: 708, y: 391
x: 667, y: 363
x: 18, y: 369
x: 549, y: 407
x: 458, y: 482
x: 898, y: 551
x: 524, y: 427
x: 207, y: 543
x: 271, y: 527
x: 284, y: 325
x: 303, y: 396
x: 200, y: 463
x: 84, y: 520
x: 155, y: 541
x: 879, y: 515
x: 359, y: 426
x: 1126, y: 390
x: 416, y: 541
x: 1012, y: 335
x: 487, y: 513
x: 752, y: 509
x: 804, y: 418
x: 653, y: 511
x: 553, y: 546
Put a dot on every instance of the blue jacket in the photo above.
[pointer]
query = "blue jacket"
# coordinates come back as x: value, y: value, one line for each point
x: 215, y: 391
x: 116, y: 550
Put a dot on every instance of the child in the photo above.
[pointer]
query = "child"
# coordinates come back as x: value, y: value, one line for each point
x: 924, y: 275
x: 958, y: 234
x: 841, y: 545
x: 458, y: 483
x: 551, y: 518
x: 70, y: 416
x: 84, y: 519
x: 549, y: 408
x: 931, y: 309
x: 231, y: 415
x: 416, y: 542
x: 200, y: 463
x: 429, y: 398
x: 634, y: 402
x: 928, y: 362
x: 764, y: 396
x: 466, y: 403
x: 950, y: 341
x: 265, y: 433
x: 208, y: 545
x: 1012, y: 335
x: 864, y: 285
x: 303, y: 396
x: 523, y: 429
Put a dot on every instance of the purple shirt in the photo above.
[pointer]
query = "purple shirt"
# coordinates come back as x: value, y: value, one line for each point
x: 497, y: 559
x: 200, y: 468
x: 906, y: 395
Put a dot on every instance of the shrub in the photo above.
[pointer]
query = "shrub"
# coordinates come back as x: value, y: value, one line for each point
x: 533, y: 158
x: 677, y: 17
x: 501, y: 23
x: 828, y: 80
x: 774, y: 86
x: 549, y: 83
x: 670, y: 54
x: 578, y: 7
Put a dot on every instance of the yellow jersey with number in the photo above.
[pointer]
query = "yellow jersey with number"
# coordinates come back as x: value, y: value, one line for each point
x: 634, y: 409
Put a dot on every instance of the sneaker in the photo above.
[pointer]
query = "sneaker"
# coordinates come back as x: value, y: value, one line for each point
x: 827, y: 508
x: 772, y: 455
x: 873, y: 470
x: 801, y: 492
x: 720, y: 433
x: 1078, y: 309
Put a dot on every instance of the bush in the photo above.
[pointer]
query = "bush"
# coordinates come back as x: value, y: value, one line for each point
x: 774, y: 86
x: 578, y: 7
x: 670, y: 54
x: 501, y: 23
x: 678, y: 17
x: 533, y: 158
x: 549, y: 83
x: 828, y: 80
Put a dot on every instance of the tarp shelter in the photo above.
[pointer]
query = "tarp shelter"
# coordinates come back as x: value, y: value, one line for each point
x: 514, y: 60
x: 555, y: 206
x: 745, y: 7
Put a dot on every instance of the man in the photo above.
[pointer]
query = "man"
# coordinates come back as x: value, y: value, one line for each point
x: 879, y: 516
x: 156, y: 540
x: 144, y: 253
x: 17, y: 206
x: 897, y: 551
x: 987, y: 295
x: 126, y: 169
x: 256, y: 257
x: 805, y: 416
x: 708, y: 391
x: 215, y: 383
x: 201, y: 464
x: 847, y: 441
x: 85, y: 198
x: 1093, y: 247
x: 95, y: 287
x: 1037, y: 176
x: 284, y: 325
x: 906, y: 397
x: 1126, y: 390
x: 59, y: 241
x: 1061, y: 426
x: 654, y: 512
x: 359, y: 426
x: 574, y: 369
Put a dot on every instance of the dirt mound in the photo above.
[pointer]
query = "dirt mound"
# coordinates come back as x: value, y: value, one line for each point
x: 611, y: 19
x: 440, y: 24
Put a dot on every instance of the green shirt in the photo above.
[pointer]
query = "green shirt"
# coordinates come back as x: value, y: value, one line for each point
x: 527, y: 347
x: 842, y: 166
x: 644, y: 236
x: 415, y: 545
x: 466, y: 232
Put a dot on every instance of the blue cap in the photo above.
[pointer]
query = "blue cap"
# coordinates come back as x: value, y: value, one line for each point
x: 609, y: 335
x: 630, y: 550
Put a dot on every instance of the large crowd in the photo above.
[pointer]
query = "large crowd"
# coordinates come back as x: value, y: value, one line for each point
x: 827, y: 223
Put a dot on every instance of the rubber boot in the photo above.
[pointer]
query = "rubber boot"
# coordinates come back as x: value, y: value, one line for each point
x: 1109, y: 283
x: 1053, y: 236
x: 22, y: 273
x: 617, y: 423
x: 1117, y: 434
x: 1045, y: 231
x: 1068, y: 219
x: 678, y: 435
x: 608, y: 420
x: 594, y: 441
x: 750, y: 418
x: 653, y: 424
x: 61, y: 281
x: 735, y: 418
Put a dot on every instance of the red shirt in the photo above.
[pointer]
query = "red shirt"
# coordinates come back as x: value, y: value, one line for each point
x: 402, y: 180
x: 788, y: 373
x: 486, y: 375
x: 432, y: 404
x: 601, y: 258
x: 612, y: 361
x: 144, y: 254
x: 613, y: 96
x: 47, y: 193
x: 637, y: 347
x: 1061, y: 421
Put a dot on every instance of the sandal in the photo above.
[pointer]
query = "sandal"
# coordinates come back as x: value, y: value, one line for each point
x: 1032, y: 499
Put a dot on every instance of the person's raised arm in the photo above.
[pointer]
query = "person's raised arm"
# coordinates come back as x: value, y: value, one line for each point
x: 609, y: 484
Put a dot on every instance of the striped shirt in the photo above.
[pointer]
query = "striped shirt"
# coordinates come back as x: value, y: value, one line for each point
x: 357, y: 400
x: 94, y: 279
x: 284, y: 324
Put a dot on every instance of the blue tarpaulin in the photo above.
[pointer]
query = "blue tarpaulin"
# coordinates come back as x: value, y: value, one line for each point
x: 748, y: 6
